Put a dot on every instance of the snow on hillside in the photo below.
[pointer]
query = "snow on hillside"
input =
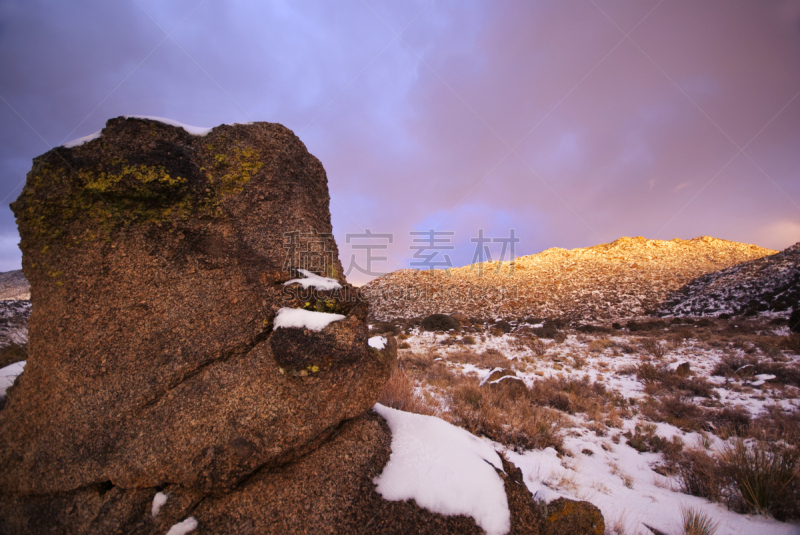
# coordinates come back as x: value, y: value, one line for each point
x: 596, y: 461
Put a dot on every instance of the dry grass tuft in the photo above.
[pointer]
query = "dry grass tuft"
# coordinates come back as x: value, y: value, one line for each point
x: 508, y: 419
x: 653, y: 347
x: 398, y: 393
x: 696, y: 522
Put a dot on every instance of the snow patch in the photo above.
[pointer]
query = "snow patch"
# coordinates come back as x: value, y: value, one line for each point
x: 762, y: 378
x: 486, y: 378
x: 304, y: 319
x: 378, y: 342
x: 444, y: 469
x: 158, y: 502
x: 183, y: 527
x: 312, y: 279
x: 506, y: 377
x: 9, y: 374
x: 81, y: 140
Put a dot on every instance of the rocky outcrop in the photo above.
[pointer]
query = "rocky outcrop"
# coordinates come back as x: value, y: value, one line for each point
x: 156, y: 261
x: 769, y: 285
x: 164, y: 383
x: 625, y: 278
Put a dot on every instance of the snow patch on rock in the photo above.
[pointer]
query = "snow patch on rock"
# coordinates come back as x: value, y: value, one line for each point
x: 378, y: 342
x: 304, y: 319
x: 444, y: 469
x: 312, y: 279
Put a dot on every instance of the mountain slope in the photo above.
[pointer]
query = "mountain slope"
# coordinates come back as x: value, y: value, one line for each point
x: 770, y: 285
x: 14, y: 285
x: 620, y: 279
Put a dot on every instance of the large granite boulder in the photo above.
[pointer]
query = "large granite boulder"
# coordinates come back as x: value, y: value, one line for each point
x: 157, y: 261
x: 164, y: 383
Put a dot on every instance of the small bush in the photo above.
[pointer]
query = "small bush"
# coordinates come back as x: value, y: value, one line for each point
x: 440, y: 322
x: 765, y: 476
x: 734, y: 420
x: 404, y: 345
x: 699, y: 474
x: 588, y: 328
x: 635, y: 326
x: 538, y: 347
x: 469, y: 340
x: 598, y: 346
x: 547, y: 331
x: 653, y: 347
x: 695, y: 522
x: 503, y: 326
x: 510, y: 420
x: 491, y: 358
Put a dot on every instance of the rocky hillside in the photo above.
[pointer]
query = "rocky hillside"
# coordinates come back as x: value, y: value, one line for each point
x: 14, y: 285
x: 628, y: 277
x: 768, y: 285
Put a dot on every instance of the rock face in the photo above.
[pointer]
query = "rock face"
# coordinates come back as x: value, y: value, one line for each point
x: 625, y: 278
x: 156, y: 261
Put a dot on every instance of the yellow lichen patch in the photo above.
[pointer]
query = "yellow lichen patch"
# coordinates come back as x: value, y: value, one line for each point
x: 133, y: 179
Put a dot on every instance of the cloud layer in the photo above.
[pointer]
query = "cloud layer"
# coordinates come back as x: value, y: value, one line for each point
x: 573, y: 122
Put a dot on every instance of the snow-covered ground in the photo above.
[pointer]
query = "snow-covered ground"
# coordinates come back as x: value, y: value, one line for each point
x: 610, y: 473
x: 600, y: 468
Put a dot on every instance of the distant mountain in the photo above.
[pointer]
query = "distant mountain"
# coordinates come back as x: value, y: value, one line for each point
x: 14, y: 285
x: 628, y: 277
x: 768, y: 285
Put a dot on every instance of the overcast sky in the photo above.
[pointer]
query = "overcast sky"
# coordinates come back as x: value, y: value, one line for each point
x: 572, y: 122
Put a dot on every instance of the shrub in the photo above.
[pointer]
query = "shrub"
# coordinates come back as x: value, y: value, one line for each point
x: 734, y: 420
x: 675, y: 410
x: 469, y: 340
x: 404, y: 345
x: 491, y: 358
x: 440, y: 322
x: 588, y: 328
x: 699, y: 474
x: 503, y: 326
x: 510, y: 420
x: 598, y: 346
x: 653, y: 347
x: 695, y: 522
x: 765, y: 476
x: 547, y: 331
x: 634, y: 326
x: 538, y: 347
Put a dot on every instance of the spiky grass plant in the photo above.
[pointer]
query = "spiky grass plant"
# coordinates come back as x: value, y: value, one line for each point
x: 764, y: 473
x: 696, y: 522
